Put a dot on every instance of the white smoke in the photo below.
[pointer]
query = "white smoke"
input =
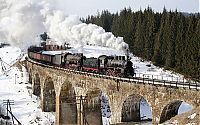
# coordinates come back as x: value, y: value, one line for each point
x: 21, y: 21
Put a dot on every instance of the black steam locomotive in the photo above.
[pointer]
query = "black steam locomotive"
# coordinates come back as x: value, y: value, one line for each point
x: 108, y: 65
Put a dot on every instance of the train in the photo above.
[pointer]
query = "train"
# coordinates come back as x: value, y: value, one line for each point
x: 119, y: 66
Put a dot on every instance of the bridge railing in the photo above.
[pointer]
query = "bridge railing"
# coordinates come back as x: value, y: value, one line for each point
x: 138, y: 78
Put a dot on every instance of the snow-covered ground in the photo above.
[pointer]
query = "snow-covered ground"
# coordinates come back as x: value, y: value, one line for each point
x: 105, y: 109
x: 145, y: 110
x: 147, y: 69
x: 14, y: 86
x: 9, y: 56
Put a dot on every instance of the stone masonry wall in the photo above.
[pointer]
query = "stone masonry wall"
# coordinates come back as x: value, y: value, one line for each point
x: 118, y: 91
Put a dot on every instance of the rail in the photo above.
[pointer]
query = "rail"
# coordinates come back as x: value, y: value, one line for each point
x: 137, y: 78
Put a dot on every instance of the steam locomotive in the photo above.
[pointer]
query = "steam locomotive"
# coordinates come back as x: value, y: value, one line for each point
x: 104, y: 64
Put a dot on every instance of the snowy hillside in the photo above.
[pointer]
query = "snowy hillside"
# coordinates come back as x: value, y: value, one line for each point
x: 14, y: 86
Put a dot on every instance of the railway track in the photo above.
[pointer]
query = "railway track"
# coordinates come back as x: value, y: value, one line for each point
x: 138, y: 80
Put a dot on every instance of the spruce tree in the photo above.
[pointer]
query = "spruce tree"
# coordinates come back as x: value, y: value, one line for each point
x: 180, y: 42
x: 158, y: 56
x: 139, y: 36
x: 170, y: 41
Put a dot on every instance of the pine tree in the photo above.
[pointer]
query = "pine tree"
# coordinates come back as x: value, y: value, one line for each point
x: 149, y: 33
x: 106, y: 20
x: 198, y: 46
x: 158, y: 57
x: 115, y: 25
x: 139, y: 37
x: 195, y: 46
x: 170, y: 41
x: 188, y: 57
x: 179, y: 48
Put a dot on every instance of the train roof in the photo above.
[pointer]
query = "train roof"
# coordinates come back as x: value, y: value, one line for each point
x: 91, y: 51
x: 53, y: 52
x: 88, y: 51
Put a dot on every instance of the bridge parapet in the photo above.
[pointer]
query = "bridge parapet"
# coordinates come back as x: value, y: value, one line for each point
x: 158, y: 94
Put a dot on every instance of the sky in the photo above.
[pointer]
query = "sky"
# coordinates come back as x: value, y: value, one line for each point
x: 17, y: 16
x: 83, y: 8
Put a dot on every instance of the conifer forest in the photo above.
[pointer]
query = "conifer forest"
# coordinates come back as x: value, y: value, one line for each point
x: 169, y: 39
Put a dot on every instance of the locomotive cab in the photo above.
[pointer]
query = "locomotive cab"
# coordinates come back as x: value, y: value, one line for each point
x: 91, y: 64
x: 73, y: 61
x: 129, y: 70
x: 115, y: 65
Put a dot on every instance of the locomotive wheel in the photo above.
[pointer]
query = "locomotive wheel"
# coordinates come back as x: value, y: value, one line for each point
x: 109, y: 72
x: 116, y: 74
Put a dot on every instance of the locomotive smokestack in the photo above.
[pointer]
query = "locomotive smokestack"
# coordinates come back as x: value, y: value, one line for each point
x: 44, y: 36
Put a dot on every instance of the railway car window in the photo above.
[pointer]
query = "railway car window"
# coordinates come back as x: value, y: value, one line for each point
x: 123, y: 57
x: 89, y: 62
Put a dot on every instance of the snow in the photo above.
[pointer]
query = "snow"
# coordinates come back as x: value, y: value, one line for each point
x: 175, y: 122
x: 10, y: 54
x: 15, y: 28
x: 89, y: 51
x: 147, y: 69
x: 105, y: 109
x: 184, y: 107
x: 52, y: 52
x: 14, y: 86
x: 191, y: 124
x: 8, y: 58
x: 145, y: 110
x: 192, y: 116
x: 96, y: 51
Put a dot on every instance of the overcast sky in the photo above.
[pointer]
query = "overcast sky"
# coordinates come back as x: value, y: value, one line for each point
x: 90, y: 7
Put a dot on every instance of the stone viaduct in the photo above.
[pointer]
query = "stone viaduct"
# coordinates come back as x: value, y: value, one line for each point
x: 75, y: 96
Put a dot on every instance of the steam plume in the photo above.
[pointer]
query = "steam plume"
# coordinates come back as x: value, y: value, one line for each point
x: 21, y: 21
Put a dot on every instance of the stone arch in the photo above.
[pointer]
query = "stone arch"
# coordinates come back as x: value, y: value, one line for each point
x: 92, y: 107
x: 37, y: 85
x: 68, y: 106
x: 130, y: 111
x: 49, y: 96
x: 170, y: 110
